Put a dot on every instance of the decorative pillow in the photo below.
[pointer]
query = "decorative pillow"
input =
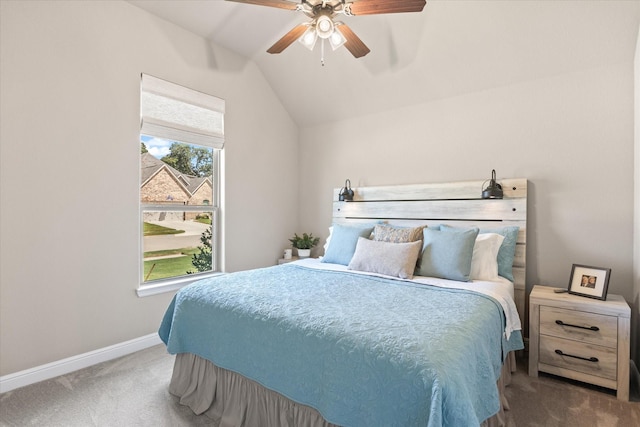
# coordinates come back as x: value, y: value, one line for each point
x: 447, y: 253
x: 392, y: 234
x: 507, y: 250
x: 392, y: 259
x: 484, y: 262
x: 344, y: 239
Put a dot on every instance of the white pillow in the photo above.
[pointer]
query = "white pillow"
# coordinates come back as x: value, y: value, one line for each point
x: 326, y: 244
x: 391, y: 259
x: 484, y: 261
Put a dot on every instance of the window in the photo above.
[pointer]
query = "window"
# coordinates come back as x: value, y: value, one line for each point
x: 181, y: 137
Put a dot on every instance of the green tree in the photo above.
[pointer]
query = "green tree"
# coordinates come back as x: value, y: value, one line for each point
x: 202, y: 261
x: 202, y: 159
x: 179, y: 158
x: 194, y: 161
x: 143, y: 148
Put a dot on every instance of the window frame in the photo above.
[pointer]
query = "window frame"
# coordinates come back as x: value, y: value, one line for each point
x: 174, y: 283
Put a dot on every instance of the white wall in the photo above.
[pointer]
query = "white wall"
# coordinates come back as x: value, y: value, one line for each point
x: 69, y: 167
x: 570, y: 135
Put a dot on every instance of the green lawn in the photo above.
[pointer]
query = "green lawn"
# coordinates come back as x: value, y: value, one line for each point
x: 181, y: 251
x: 168, y: 267
x: 156, y: 230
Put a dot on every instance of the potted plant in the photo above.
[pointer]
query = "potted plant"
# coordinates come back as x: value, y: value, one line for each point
x: 304, y: 243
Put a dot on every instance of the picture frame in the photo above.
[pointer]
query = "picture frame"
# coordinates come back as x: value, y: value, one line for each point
x: 590, y: 282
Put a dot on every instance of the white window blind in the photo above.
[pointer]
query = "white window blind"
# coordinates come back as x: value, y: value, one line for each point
x: 178, y: 113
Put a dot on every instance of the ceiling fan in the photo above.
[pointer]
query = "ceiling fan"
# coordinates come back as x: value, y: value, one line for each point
x: 323, y: 26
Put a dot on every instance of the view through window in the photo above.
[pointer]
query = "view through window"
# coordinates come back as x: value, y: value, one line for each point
x: 175, y: 194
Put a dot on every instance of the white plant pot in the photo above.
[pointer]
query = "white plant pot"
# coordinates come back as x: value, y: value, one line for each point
x: 304, y: 253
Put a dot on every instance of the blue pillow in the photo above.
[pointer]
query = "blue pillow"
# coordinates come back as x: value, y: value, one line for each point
x: 507, y: 250
x: 447, y: 253
x: 344, y: 239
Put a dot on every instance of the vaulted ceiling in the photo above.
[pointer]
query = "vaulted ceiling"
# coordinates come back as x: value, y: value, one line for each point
x: 449, y: 49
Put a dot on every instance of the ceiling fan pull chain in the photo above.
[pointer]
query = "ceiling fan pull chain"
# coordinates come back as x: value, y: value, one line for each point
x: 322, y: 52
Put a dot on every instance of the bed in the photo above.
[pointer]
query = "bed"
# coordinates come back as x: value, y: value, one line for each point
x: 393, y: 326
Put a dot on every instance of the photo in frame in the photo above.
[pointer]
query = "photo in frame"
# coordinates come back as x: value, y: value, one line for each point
x: 591, y: 282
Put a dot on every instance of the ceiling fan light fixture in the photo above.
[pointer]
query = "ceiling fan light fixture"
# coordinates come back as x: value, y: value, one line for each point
x: 337, y: 39
x: 309, y: 38
x: 324, y: 26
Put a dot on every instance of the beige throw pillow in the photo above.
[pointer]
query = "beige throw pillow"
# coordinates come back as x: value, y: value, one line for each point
x: 389, y: 233
x: 391, y: 259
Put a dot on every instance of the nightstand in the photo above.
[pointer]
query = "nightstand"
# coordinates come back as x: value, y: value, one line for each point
x: 580, y: 338
x: 284, y: 261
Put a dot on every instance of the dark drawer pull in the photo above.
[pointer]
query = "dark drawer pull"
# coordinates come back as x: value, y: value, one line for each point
x: 588, y: 359
x: 590, y: 328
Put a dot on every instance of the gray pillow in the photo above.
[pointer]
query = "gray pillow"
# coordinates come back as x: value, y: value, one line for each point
x: 391, y: 259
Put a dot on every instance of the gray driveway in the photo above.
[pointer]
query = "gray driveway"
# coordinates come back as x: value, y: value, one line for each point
x: 190, y: 238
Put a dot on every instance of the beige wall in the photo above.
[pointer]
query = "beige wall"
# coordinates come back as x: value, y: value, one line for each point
x: 635, y: 301
x: 571, y: 135
x: 69, y: 167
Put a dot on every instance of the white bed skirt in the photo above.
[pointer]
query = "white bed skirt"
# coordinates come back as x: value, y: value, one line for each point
x: 232, y: 400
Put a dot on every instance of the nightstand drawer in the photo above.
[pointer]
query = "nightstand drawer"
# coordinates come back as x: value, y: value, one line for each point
x: 603, y: 364
x: 580, y: 326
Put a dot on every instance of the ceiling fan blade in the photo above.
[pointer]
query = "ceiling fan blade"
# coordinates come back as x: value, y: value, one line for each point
x: 288, y: 38
x: 281, y: 4
x: 374, y: 7
x: 353, y: 43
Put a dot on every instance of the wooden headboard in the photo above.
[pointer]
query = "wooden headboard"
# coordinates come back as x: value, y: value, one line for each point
x: 454, y: 203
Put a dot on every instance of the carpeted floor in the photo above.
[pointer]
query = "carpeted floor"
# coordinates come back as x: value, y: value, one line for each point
x: 132, y: 391
x: 550, y: 401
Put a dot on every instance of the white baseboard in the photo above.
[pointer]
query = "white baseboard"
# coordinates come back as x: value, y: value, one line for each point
x: 74, y: 363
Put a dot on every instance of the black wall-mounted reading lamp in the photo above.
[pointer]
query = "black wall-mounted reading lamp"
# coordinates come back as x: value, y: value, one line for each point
x: 346, y: 193
x: 493, y: 190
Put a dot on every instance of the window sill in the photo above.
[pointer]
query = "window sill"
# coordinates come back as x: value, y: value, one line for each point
x: 170, y: 285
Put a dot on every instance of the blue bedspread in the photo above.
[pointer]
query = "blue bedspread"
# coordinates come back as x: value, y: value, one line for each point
x: 362, y: 350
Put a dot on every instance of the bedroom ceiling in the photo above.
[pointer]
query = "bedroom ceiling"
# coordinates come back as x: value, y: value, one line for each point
x: 449, y: 49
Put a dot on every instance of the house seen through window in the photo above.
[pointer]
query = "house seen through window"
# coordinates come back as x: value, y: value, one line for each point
x: 180, y: 141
